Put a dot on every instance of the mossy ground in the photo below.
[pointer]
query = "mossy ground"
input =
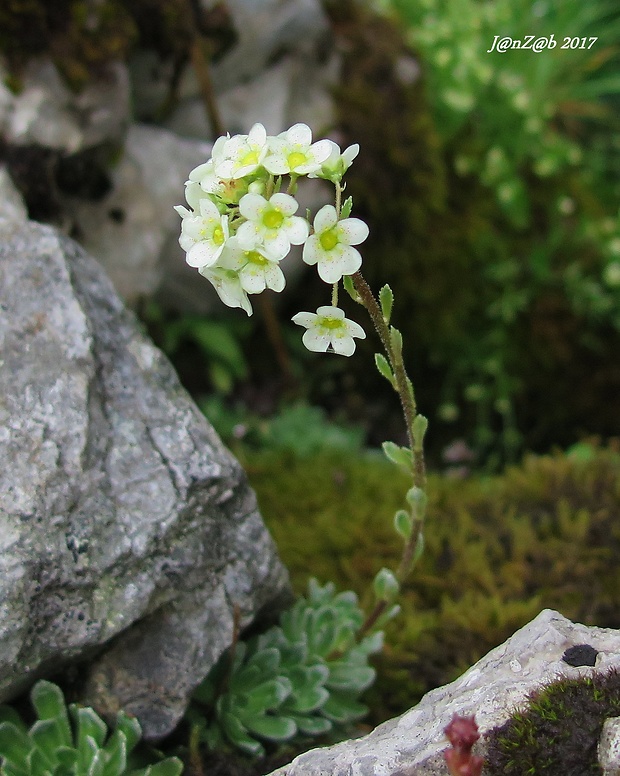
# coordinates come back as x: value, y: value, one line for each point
x: 557, y: 732
x: 498, y: 550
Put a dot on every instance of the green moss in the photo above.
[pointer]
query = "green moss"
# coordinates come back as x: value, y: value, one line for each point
x: 498, y: 550
x: 558, y: 731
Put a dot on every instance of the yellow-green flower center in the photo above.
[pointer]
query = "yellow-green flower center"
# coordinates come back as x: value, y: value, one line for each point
x: 273, y: 219
x: 254, y: 257
x: 330, y: 323
x: 251, y: 157
x: 329, y: 239
x: 218, y: 236
x: 296, y: 158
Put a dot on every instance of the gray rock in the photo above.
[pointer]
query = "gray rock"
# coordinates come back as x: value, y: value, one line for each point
x: 413, y: 744
x: 11, y: 203
x: 130, y: 229
x: 609, y: 747
x: 125, y: 525
x: 47, y: 113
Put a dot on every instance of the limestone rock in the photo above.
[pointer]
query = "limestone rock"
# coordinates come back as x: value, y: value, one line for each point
x: 413, y: 744
x: 125, y: 525
x: 135, y: 224
x: 11, y: 203
x: 47, y: 113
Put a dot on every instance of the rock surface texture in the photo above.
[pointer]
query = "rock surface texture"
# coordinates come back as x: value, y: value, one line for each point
x: 127, y: 531
x: 413, y: 744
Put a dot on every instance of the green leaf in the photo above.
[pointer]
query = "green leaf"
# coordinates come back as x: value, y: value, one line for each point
x: 349, y: 678
x: 89, y: 725
x: 130, y: 728
x: 385, y: 585
x: 306, y: 700
x: 96, y: 764
x: 420, y: 424
x: 171, y: 766
x: 417, y: 500
x: 401, y: 456
x: 238, y: 735
x: 312, y: 726
x: 383, y: 367
x: 347, y: 206
x: 340, y: 708
x: 8, y: 714
x: 115, y: 754
x: 49, y: 703
x: 386, y: 299
x: 403, y: 523
x: 45, y: 735
x: 267, y: 696
x: 87, y: 751
x: 396, y: 341
x: 273, y: 728
x: 349, y: 287
x: 15, y: 744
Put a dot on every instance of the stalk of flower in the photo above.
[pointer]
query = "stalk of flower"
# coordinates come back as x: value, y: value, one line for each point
x: 239, y: 229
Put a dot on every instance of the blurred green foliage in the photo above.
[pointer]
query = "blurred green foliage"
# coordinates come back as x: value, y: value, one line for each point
x: 498, y: 550
x: 488, y: 183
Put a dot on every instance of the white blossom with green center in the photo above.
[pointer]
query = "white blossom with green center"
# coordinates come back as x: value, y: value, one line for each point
x: 203, y: 234
x: 330, y: 245
x: 256, y: 272
x: 337, y: 163
x: 243, y: 154
x: 328, y: 328
x: 225, y: 278
x: 270, y: 227
x: 293, y: 152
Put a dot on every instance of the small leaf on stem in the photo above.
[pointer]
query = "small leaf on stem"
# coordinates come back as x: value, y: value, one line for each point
x: 384, y: 369
x: 386, y: 298
x: 347, y: 282
x: 396, y: 341
x: 403, y: 523
x: 347, y: 206
x: 420, y: 424
x: 401, y: 456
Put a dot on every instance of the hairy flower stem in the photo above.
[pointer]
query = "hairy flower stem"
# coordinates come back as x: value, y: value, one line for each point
x: 403, y: 387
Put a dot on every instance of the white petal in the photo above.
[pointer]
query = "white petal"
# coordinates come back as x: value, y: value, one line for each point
x: 315, y: 341
x: 304, y: 319
x: 354, y: 329
x: 251, y: 206
x: 343, y: 344
x: 321, y: 150
x: 297, y: 230
x: 199, y: 172
x: 226, y: 169
x: 203, y: 254
x: 343, y: 260
x: 353, y: 231
x: 287, y: 204
x: 252, y: 279
x: 298, y: 134
x: 186, y: 242
x: 329, y: 311
x: 312, y: 251
x: 208, y: 209
x: 349, y: 154
x: 248, y: 236
x: 183, y: 211
x: 277, y: 247
x: 274, y: 277
x: 258, y: 135
x: 325, y: 218
x: 276, y: 164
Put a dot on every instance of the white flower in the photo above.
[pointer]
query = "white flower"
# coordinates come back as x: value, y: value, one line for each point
x: 203, y: 234
x: 256, y: 272
x: 336, y: 164
x: 330, y: 245
x: 293, y: 152
x: 271, y: 227
x: 328, y: 328
x: 224, y: 277
x: 243, y: 154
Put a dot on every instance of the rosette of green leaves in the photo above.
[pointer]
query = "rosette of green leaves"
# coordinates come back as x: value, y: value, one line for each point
x: 71, y: 741
x: 301, y: 678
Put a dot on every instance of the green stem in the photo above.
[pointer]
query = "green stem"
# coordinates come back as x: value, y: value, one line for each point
x: 407, y: 400
x: 335, y: 295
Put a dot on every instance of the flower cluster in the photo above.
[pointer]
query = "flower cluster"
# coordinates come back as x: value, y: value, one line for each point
x: 240, y: 224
